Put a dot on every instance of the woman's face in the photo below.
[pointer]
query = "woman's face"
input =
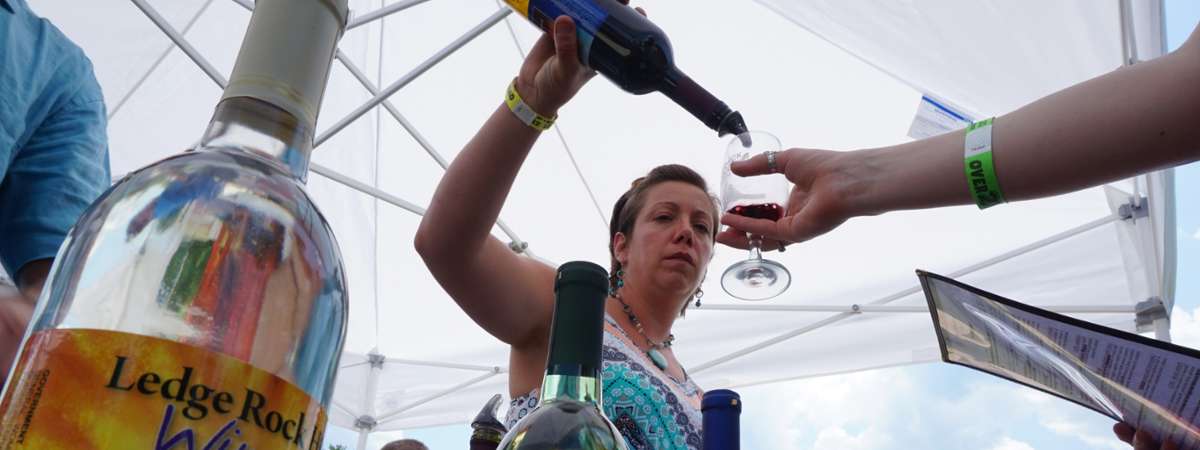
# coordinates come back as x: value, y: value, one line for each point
x: 671, y: 242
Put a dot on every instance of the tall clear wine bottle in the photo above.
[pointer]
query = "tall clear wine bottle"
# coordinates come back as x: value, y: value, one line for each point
x: 201, y: 301
x: 570, y: 414
x: 721, y: 409
x: 633, y: 53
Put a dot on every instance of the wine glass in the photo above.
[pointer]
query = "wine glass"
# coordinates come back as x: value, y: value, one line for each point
x: 760, y: 197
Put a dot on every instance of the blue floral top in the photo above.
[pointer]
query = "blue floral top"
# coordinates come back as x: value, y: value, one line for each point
x: 652, y: 410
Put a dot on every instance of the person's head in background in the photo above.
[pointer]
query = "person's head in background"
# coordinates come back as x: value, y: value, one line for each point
x: 405, y: 444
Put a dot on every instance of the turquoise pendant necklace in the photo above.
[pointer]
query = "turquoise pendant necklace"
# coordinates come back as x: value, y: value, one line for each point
x: 656, y: 356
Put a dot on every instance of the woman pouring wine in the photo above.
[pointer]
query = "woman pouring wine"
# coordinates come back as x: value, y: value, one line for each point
x: 661, y: 239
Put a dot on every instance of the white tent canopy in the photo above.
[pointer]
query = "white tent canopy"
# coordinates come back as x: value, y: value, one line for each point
x: 850, y: 75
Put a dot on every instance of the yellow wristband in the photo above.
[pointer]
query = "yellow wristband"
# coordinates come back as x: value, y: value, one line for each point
x: 524, y: 112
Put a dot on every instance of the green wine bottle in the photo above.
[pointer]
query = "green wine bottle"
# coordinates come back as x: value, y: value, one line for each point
x: 570, y: 415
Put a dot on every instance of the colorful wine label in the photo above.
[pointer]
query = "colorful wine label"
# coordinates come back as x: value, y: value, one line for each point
x: 587, y: 15
x: 93, y: 389
x: 520, y: 6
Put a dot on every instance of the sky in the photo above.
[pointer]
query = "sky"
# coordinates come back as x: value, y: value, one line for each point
x: 934, y: 406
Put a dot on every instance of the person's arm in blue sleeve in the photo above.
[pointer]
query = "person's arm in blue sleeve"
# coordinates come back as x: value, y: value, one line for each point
x: 52, y: 180
x: 54, y: 177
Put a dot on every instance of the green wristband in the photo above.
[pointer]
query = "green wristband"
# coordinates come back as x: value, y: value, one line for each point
x: 981, y: 172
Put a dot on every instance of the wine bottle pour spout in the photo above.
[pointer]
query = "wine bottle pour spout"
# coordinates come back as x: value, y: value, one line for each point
x: 487, y: 415
x: 745, y: 139
x: 734, y: 124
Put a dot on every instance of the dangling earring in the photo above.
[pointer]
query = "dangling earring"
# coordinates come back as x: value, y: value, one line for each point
x: 699, y: 293
x: 616, y: 282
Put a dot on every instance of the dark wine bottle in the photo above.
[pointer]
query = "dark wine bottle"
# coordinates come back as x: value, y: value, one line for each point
x: 570, y: 416
x: 721, y: 409
x: 634, y: 53
x: 486, y: 430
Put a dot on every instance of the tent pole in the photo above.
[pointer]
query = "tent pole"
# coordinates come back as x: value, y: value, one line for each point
x: 344, y: 408
x: 1129, y: 51
x: 772, y: 341
x: 362, y: 440
x: 364, y: 188
x: 386, y: 417
x: 413, y: 362
x: 162, y: 57
x: 412, y: 75
x: 181, y: 42
x: 1162, y: 329
x: 1036, y: 245
x: 891, y: 298
x: 561, y: 138
x: 1070, y: 309
x: 367, y: 422
x: 1169, y: 268
x: 379, y: 97
x: 220, y: 80
x: 365, y: 18
x: 397, y: 201
x: 375, y: 172
x: 444, y: 365
x: 391, y: 109
x: 408, y: 126
x: 382, y: 12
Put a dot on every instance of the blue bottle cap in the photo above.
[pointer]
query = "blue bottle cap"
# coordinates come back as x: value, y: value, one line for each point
x: 722, y: 399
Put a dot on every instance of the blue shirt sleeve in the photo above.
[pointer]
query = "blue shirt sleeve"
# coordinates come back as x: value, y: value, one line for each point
x: 54, y: 176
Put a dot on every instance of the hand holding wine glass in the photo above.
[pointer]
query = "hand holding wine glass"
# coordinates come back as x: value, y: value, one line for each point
x: 822, y: 184
x: 759, y: 199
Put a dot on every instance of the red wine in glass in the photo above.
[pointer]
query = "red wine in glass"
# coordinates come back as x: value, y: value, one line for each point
x: 754, y: 278
x: 769, y: 211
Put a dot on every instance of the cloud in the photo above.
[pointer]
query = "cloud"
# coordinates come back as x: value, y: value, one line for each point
x: 891, y: 409
x: 1196, y: 235
x: 928, y: 407
x: 1085, y: 433
x: 1011, y: 444
x: 836, y: 438
x: 1185, y: 327
x: 849, y: 411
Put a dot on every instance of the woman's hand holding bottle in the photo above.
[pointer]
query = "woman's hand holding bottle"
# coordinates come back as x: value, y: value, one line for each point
x: 552, y: 73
